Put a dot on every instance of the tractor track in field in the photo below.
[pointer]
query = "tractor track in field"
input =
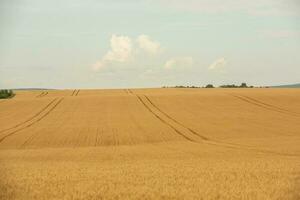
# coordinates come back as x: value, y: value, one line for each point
x: 164, y: 121
x: 115, y: 137
x: 191, y: 130
x: 73, y: 92
x: 203, y: 138
x: 42, y: 94
x: 262, y: 105
x: 129, y: 91
x: 39, y: 95
x: 97, y: 139
x: 137, y: 124
x: 35, y: 121
x: 179, y: 123
x: 29, y: 119
x: 42, y: 117
x: 270, y: 105
x: 211, y: 141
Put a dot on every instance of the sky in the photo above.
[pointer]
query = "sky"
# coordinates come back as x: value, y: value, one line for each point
x: 148, y: 43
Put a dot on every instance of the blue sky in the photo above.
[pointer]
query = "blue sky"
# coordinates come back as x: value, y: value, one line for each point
x: 148, y: 43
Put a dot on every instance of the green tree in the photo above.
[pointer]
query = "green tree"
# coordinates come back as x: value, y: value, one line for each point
x: 4, y: 94
x: 209, y: 86
x: 243, y: 85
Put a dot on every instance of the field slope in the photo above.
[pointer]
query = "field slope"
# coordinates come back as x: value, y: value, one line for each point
x: 151, y: 144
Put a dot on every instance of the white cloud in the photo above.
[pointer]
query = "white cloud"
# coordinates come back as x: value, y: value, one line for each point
x: 218, y: 64
x: 123, y: 50
x: 148, y: 45
x: 179, y: 62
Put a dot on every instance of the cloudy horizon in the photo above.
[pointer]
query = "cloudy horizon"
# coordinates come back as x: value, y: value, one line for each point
x: 148, y: 43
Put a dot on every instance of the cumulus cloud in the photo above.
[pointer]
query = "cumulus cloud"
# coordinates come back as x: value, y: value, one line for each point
x: 148, y: 45
x: 123, y: 49
x: 218, y: 64
x: 180, y: 62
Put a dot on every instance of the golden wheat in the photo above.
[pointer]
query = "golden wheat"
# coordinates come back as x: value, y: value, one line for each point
x: 151, y: 144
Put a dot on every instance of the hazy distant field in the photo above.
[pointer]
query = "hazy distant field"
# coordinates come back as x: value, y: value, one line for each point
x: 151, y: 144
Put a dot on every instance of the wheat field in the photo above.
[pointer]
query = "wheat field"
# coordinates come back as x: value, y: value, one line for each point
x: 151, y: 144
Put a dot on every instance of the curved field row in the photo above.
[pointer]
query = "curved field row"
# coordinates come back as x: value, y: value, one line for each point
x: 273, y: 106
x: 124, y: 117
x: 151, y: 144
x: 82, y: 121
x: 264, y: 105
x: 225, y: 120
x: 18, y: 110
x: 206, y: 139
x: 164, y: 121
x: 75, y: 92
x: 179, y: 123
x: 42, y: 94
x: 32, y: 121
x: 29, y: 119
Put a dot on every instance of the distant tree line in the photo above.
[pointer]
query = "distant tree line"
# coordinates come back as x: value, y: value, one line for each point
x: 243, y: 85
x: 4, y: 94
